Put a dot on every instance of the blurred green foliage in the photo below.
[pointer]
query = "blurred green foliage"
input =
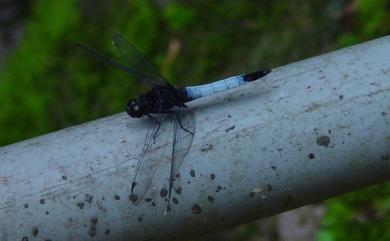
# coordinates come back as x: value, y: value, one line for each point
x: 28, y: 82
x: 362, y: 215
x: 48, y: 83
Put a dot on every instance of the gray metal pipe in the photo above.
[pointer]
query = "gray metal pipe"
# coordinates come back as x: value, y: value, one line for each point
x: 307, y: 131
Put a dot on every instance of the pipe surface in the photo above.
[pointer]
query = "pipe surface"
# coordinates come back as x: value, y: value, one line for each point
x: 309, y: 130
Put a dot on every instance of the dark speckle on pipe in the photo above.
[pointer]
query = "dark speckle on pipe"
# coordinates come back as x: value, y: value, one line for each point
x: 230, y: 128
x: 178, y: 190
x: 192, y: 173
x: 92, y: 228
x: 212, y: 176
x: 117, y: 197
x: 206, y: 148
x: 219, y: 188
x: 163, y: 192
x: 210, y: 199
x: 311, y: 156
x: 42, y: 201
x: 196, y: 209
x: 88, y: 198
x: 81, y: 205
x: 24, y: 239
x: 175, y: 200
x: 92, y: 231
x: 94, y: 221
x: 35, y: 231
x: 133, y: 198
x: 323, y: 141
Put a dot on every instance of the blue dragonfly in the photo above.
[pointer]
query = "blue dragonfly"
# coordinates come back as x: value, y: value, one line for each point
x: 163, y: 99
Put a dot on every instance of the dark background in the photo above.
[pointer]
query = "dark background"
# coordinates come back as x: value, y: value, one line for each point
x: 47, y: 83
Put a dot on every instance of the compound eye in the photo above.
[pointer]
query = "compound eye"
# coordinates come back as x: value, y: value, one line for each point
x: 135, y: 108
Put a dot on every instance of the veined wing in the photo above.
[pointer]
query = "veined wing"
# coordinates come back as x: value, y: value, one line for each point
x: 183, y: 134
x: 102, y: 57
x: 137, y: 62
x: 148, y: 161
x: 152, y: 154
x: 137, y: 65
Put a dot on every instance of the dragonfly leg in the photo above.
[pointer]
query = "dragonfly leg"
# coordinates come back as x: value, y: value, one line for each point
x: 181, y: 124
x: 171, y: 173
x: 155, y: 131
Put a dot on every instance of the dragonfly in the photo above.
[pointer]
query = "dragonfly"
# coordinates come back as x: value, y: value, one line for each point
x: 161, y: 101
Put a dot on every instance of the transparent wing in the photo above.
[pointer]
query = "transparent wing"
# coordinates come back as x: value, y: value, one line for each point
x: 102, y: 57
x: 184, y: 130
x: 155, y: 149
x: 149, y: 160
x: 137, y: 62
x: 183, y: 134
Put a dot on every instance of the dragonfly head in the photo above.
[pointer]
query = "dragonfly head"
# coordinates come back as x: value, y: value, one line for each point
x: 134, y: 108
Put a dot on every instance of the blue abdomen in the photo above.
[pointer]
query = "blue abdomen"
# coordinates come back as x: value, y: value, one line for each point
x: 195, y: 92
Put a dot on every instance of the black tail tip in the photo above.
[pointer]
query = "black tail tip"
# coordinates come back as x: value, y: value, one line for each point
x: 256, y: 75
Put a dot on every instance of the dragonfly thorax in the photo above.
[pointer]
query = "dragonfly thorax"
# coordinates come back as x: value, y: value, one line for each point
x: 158, y: 100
